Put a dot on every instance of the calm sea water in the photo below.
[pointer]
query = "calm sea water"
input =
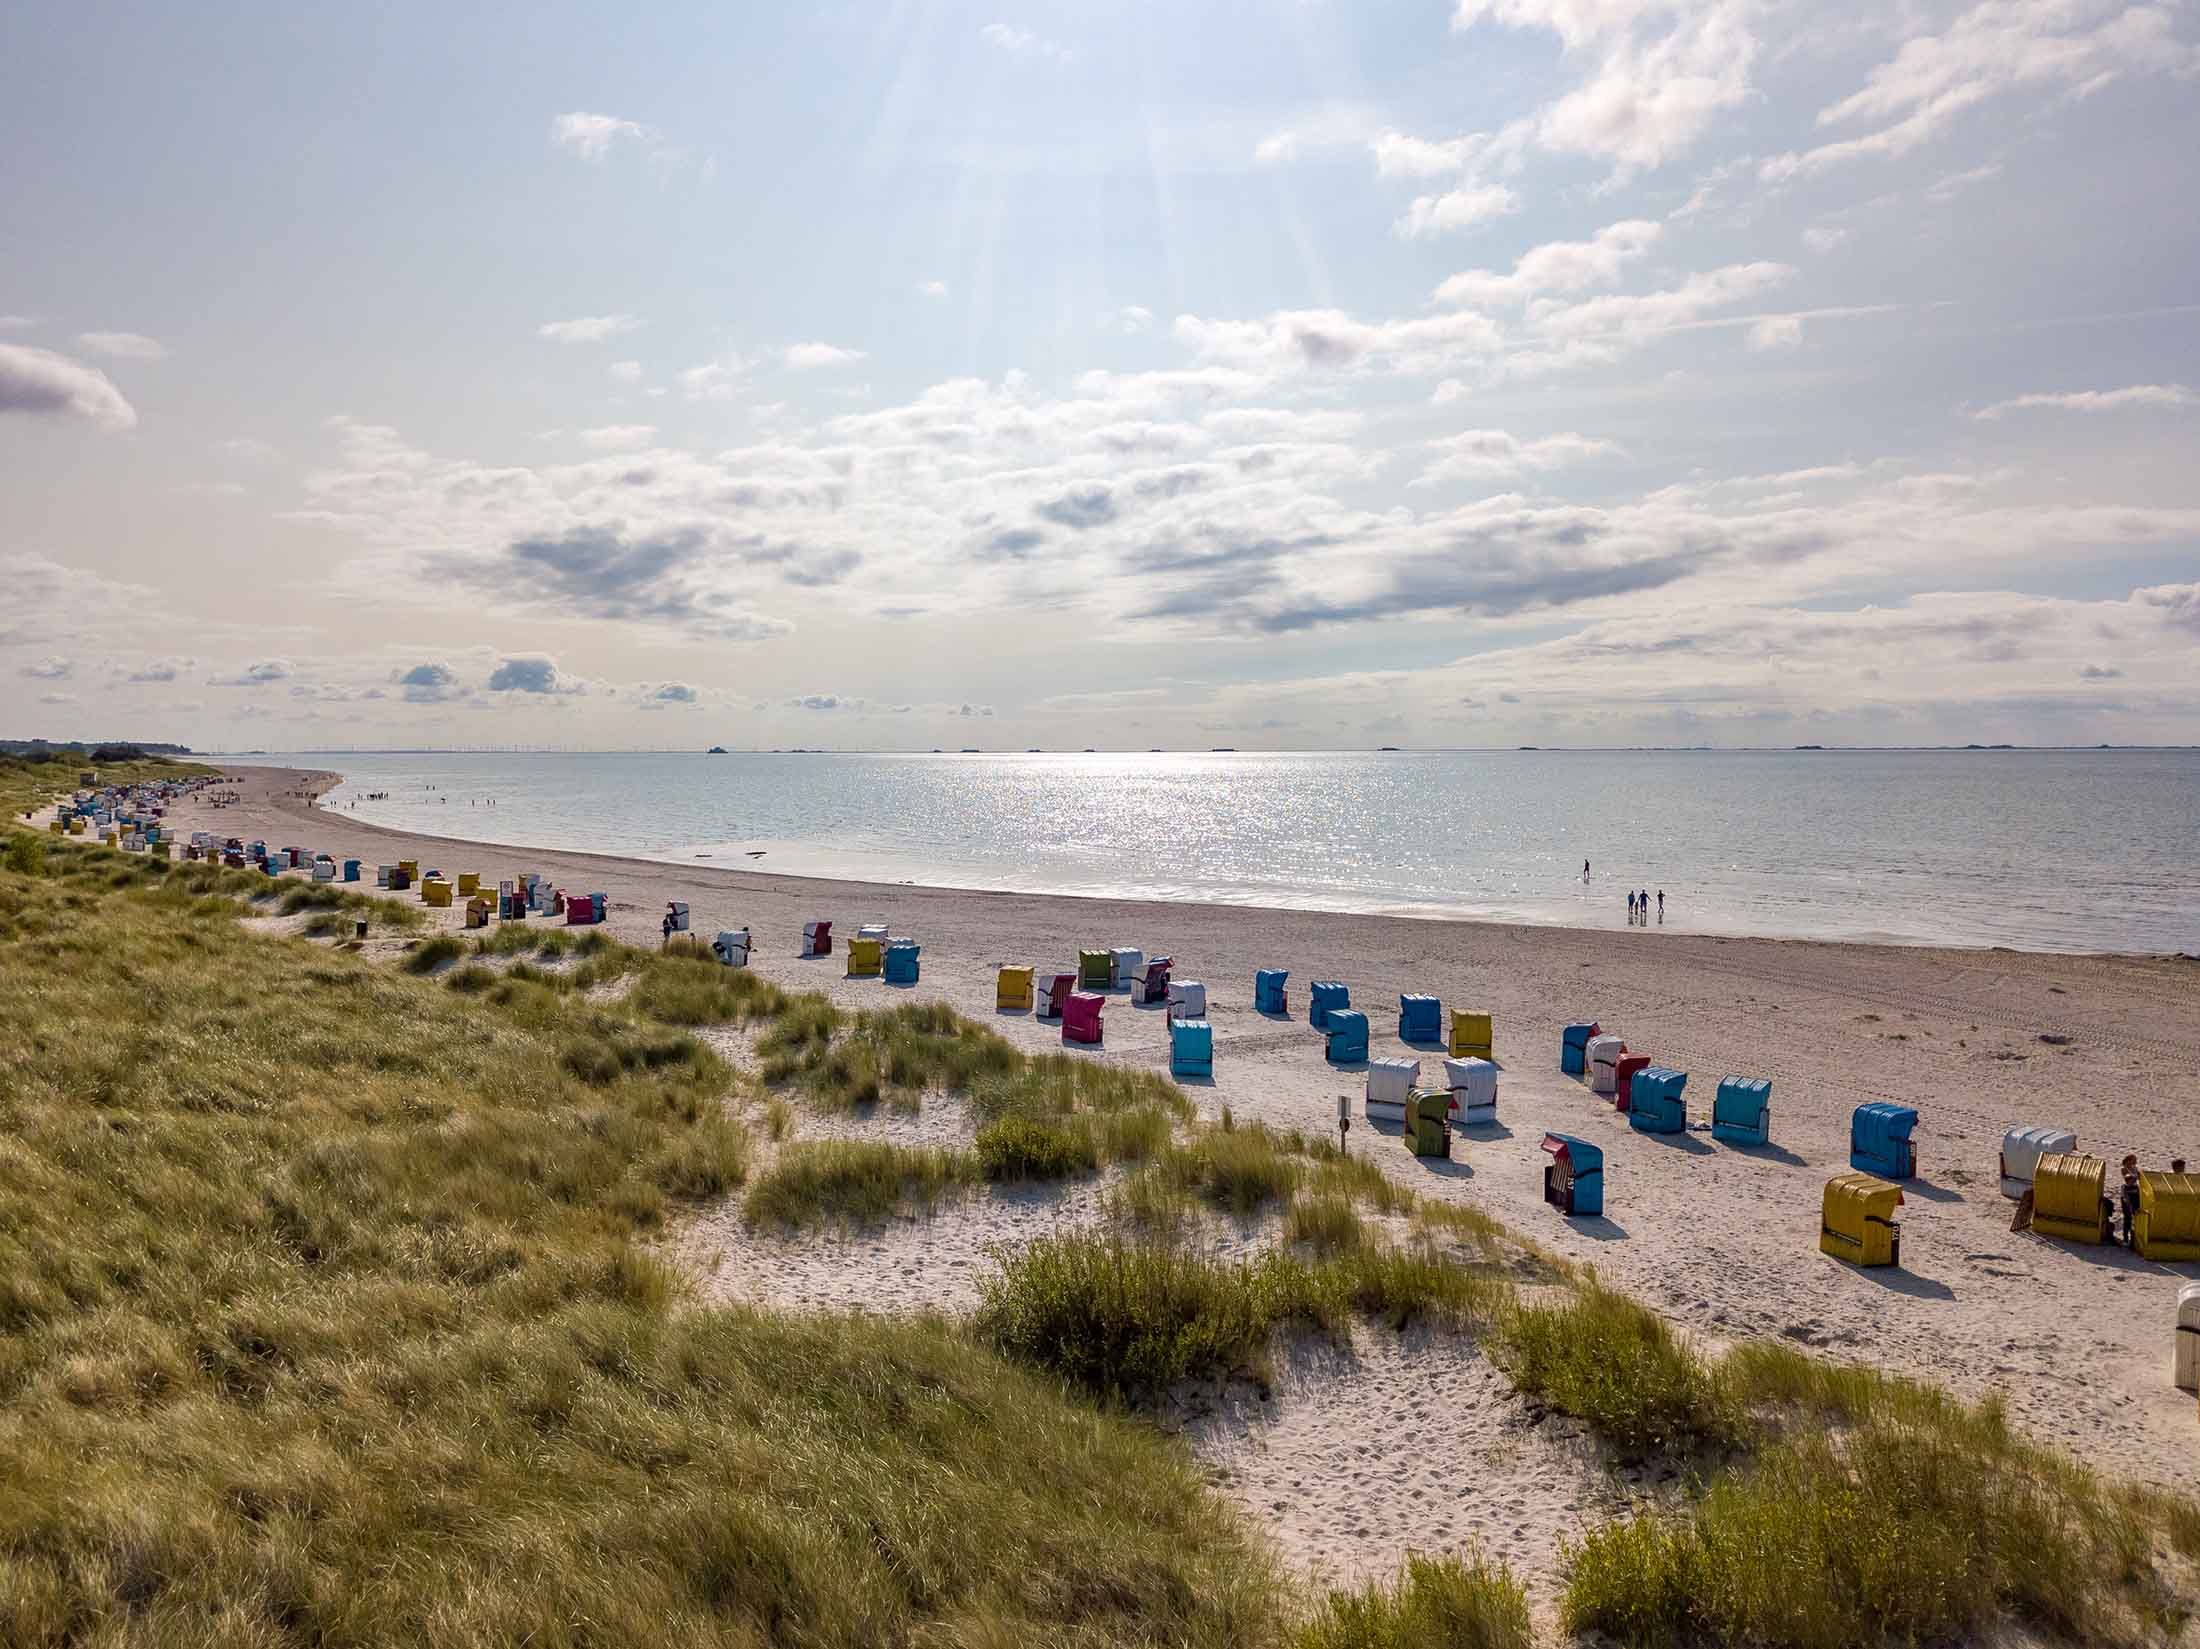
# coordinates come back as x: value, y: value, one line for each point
x: 2034, y: 849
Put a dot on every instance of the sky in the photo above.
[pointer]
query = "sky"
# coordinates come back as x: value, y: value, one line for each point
x: 1264, y: 373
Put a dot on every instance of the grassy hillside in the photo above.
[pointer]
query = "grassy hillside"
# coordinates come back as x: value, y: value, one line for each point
x: 26, y: 784
x: 324, y: 1319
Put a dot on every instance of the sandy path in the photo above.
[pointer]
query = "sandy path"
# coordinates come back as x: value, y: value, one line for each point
x: 2076, y: 1340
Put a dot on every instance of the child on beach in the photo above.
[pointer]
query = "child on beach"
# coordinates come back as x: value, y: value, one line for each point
x: 2130, y: 1195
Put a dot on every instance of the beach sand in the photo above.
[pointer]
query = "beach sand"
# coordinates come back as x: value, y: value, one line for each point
x: 2077, y: 1341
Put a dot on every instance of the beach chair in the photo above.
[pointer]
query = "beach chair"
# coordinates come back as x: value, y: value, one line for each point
x: 1150, y: 983
x: 2188, y: 1338
x: 1573, y: 1180
x: 1081, y: 1017
x: 1427, y: 1131
x: 875, y: 930
x: 293, y: 857
x: 436, y: 893
x: 1012, y: 990
x: 901, y: 962
x: 477, y: 912
x: 680, y: 920
x: 2021, y: 1150
x: 1390, y: 1084
x: 411, y: 868
x: 1346, y: 1034
x: 1471, y: 1036
x: 1323, y: 996
x: 1473, y: 1087
x: 1879, y: 1140
x: 2167, y: 1226
x: 1269, y: 992
x: 2070, y: 1197
x: 1604, y: 1056
x: 351, y: 870
x: 1624, y: 1070
x: 1095, y: 969
x: 1124, y: 968
x: 580, y: 911
x: 1657, y: 1106
x: 469, y: 883
x: 1856, y: 1221
x: 1187, y: 999
x: 732, y: 947
x: 866, y: 957
x: 1191, y: 1048
x: 817, y: 938
x: 1420, y: 1019
x: 1054, y: 993
x: 1741, y: 1110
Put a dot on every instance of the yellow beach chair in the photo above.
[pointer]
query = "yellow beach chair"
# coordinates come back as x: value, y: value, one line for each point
x: 469, y: 883
x: 436, y: 891
x: 2067, y: 1197
x: 865, y: 958
x: 2168, y: 1223
x: 1470, y: 1035
x: 1857, y: 1223
x: 1012, y: 990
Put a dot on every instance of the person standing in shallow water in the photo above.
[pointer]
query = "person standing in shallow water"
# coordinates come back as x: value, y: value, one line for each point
x: 1661, y: 907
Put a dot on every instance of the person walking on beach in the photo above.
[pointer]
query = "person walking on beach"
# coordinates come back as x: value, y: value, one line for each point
x: 2130, y: 1195
x: 1584, y: 870
x: 1661, y: 907
x: 1630, y: 907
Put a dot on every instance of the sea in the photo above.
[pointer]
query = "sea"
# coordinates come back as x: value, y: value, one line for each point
x: 2030, y: 849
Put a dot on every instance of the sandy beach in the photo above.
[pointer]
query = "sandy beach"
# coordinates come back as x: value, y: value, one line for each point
x: 2076, y: 1341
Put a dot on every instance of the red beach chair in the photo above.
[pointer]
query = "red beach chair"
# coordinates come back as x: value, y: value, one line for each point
x: 1081, y: 1017
x: 1623, y: 1079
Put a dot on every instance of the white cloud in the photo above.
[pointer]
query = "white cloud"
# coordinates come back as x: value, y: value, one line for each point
x: 255, y: 675
x: 51, y: 669
x: 247, y: 449
x: 618, y: 437
x: 1130, y: 320
x: 1640, y: 314
x: 57, y: 698
x: 587, y: 329
x: 625, y: 372
x: 534, y: 673
x: 2077, y: 46
x: 46, y: 385
x: 932, y: 289
x: 431, y: 683
x: 1445, y: 393
x: 214, y: 489
x: 1454, y: 210
x: 17, y: 323
x: 591, y: 136
x: 713, y: 380
x: 1023, y: 43
x: 1277, y: 149
x: 160, y: 669
x: 809, y: 357
x: 2094, y: 400
x: 1824, y: 237
x: 1399, y: 155
x: 1944, y: 189
x: 1477, y: 454
x: 123, y: 346
x: 1556, y: 266
x: 1661, y: 71
x: 1775, y: 332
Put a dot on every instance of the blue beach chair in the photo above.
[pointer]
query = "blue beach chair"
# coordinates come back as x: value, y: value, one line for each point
x: 1191, y: 1048
x: 1268, y: 990
x: 1347, y: 1031
x: 1323, y: 996
x: 1655, y: 1103
x: 901, y: 964
x: 1573, y: 1047
x: 1741, y: 1111
x: 1879, y: 1140
x: 1420, y: 1019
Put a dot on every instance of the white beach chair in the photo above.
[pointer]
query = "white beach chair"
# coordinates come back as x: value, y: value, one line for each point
x: 1604, y: 1055
x: 1473, y: 1085
x: 1127, y: 964
x: 2021, y: 1150
x: 1187, y: 999
x: 1390, y: 1083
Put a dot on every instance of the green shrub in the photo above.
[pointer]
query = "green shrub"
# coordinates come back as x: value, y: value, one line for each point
x: 1603, y: 1358
x: 1238, y: 1169
x: 1435, y: 1603
x: 853, y: 1182
x: 26, y: 853
x: 431, y: 954
x: 1328, y: 1224
x: 681, y: 989
x: 1020, y: 1148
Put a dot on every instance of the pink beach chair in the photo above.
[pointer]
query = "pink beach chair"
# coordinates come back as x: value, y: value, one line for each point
x: 1081, y: 1017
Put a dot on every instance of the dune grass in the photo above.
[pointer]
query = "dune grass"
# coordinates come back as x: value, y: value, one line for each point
x: 855, y: 1182
x: 1327, y: 1223
x: 334, y: 1325
x: 1434, y: 1603
x: 1594, y: 1353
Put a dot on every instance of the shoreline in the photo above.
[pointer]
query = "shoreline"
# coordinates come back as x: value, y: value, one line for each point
x: 2076, y: 1340
x: 734, y: 875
